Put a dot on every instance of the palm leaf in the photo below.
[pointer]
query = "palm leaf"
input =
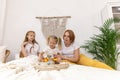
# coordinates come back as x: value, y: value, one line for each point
x: 103, y: 46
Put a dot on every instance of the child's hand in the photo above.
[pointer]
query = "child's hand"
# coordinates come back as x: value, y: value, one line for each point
x: 55, y: 55
x: 24, y: 43
x: 57, y: 58
x: 41, y: 56
x: 41, y: 60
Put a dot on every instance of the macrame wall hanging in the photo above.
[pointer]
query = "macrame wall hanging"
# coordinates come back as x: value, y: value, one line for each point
x: 53, y: 25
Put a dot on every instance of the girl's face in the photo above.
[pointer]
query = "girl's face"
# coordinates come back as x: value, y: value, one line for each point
x: 31, y: 36
x: 66, y: 38
x: 52, y: 43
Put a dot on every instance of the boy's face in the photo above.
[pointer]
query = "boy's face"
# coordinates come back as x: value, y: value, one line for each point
x: 52, y: 43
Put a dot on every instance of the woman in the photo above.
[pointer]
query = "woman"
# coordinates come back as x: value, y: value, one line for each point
x: 70, y: 52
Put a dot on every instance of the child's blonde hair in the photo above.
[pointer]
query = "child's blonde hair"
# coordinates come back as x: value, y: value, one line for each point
x: 58, y: 40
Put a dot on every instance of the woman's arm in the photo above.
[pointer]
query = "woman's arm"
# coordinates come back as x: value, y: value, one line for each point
x: 75, y: 58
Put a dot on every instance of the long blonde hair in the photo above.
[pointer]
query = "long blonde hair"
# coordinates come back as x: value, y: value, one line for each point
x: 26, y: 38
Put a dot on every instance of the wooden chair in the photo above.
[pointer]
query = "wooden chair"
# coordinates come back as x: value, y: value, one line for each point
x: 7, y: 53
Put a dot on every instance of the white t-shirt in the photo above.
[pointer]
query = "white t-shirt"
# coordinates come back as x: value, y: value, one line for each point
x: 69, y: 51
x: 32, y: 49
x: 51, y: 52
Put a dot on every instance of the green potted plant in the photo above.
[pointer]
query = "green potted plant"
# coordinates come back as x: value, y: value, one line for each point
x: 103, y: 45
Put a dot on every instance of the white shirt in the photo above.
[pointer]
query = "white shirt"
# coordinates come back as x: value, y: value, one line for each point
x: 32, y: 49
x: 69, y: 51
x: 51, y: 52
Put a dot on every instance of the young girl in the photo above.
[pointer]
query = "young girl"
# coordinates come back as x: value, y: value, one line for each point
x: 52, y: 50
x: 30, y: 45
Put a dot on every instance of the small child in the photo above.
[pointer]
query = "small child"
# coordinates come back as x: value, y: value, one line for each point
x: 29, y: 45
x: 52, y: 50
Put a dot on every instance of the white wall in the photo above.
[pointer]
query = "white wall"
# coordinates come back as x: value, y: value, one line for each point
x: 20, y: 17
x: 2, y: 19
